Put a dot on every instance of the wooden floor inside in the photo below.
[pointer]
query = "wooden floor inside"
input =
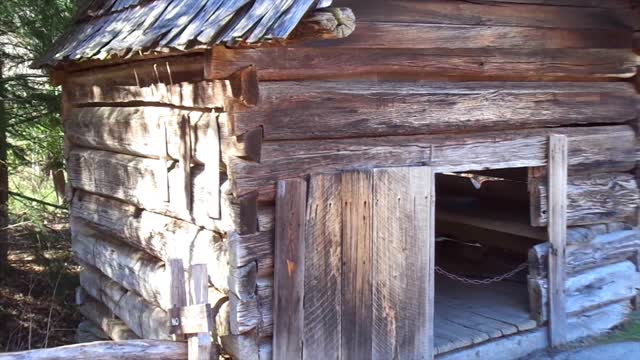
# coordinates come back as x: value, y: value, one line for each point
x: 470, y: 314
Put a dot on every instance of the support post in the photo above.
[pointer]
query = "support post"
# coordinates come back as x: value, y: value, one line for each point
x: 557, y: 228
x: 200, y: 344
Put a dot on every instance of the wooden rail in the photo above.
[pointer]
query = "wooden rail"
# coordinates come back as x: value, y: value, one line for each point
x: 107, y: 350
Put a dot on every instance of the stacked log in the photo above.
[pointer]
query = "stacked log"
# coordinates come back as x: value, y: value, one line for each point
x: 601, y: 266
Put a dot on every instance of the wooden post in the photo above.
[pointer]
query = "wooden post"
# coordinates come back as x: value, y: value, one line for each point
x: 288, y: 312
x: 200, y: 344
x: 558, y: 163
x: 178, y: 295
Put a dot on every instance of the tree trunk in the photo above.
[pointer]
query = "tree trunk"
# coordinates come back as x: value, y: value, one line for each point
x: 4, y: 176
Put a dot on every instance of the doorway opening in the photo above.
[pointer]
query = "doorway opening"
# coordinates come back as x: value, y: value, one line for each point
x: 483, y: 236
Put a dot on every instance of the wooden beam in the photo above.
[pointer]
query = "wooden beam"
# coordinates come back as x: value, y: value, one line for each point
x: 389, y: 34
x: 289, y: 269
x: 590, y: 147
x: 377, y: 108
x: 411, y: 64
x: 558, y: 165
x: 107, y: 350
x: 591, y: 199
x: 143, y: 318
x: 100, y: 315
x: 138, y: 181
x: 587, y: 290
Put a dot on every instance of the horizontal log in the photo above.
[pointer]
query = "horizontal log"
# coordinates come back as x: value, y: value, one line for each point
x: 588, y: 290
x: 601, y: 249
x: 144, y: 319
x: 411, y: 64
x: 160, y: 236
x: 588, y: 147
x: 165, y: 70
x: 558, y: 14
x: 591, y: 199
x: 143, y: 183
x: 133, y: 269
x: 417, y: 36
x: 107, y: 350
x: 148, y: 131
x: 201, y: 94
x: 100, y: 315
x: 326, y: 109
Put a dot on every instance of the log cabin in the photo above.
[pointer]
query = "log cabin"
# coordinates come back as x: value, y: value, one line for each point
x: 440, y: 179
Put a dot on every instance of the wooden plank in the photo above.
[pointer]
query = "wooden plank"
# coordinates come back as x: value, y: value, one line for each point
x: 410, y: 64
x: 591, y: 199
x: 406, y: 35
x: 357, y: 250
x: 403, y: 263
x: 558, y: 164
x: 289, y: 269
x: 200, y: 345
x: 593, y: 323
x: 504, y: 149
x: 323, y: 273
x: 178, y: 295
x: 106, y: 350
x: 377, y: 108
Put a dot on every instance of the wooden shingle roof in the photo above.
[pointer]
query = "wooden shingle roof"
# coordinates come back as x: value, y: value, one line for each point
x: 120, y: 28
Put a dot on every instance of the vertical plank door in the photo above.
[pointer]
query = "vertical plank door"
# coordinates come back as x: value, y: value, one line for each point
x: 557, y: 227
x: 368, y: 244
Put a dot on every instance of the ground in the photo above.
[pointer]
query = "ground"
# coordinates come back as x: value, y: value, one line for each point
x: 37, y: 290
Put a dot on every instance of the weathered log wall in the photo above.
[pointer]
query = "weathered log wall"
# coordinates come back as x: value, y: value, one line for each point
x: 134, y: 196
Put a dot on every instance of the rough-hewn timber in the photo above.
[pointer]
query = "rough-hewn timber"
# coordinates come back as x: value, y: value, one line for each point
x: 315, y: 109
x: 590, y: 289
x: 589, y: 146
x: 602, y: 249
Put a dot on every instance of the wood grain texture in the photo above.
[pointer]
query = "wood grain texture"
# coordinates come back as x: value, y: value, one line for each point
x: 420, y: 35
x: 124, y: 264
x: 148, y: 131
x: 591, y: 199
x: 402, y: 63
x: 502, y: 13
x: 143, y: 318
x: 602, y: 249
x: 289, y: 269
x: 403, y: 262
x: 357, y: 258
x: 101, y: 316
x: 589, y: 147
x: 557, y: 171
x: 323, y: 283
x: 587, y: 290
x: 106, y: 350
x: 139, y: 181
x: 326, y: 109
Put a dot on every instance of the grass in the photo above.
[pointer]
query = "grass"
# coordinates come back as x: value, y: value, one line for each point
x: 629, y: 331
